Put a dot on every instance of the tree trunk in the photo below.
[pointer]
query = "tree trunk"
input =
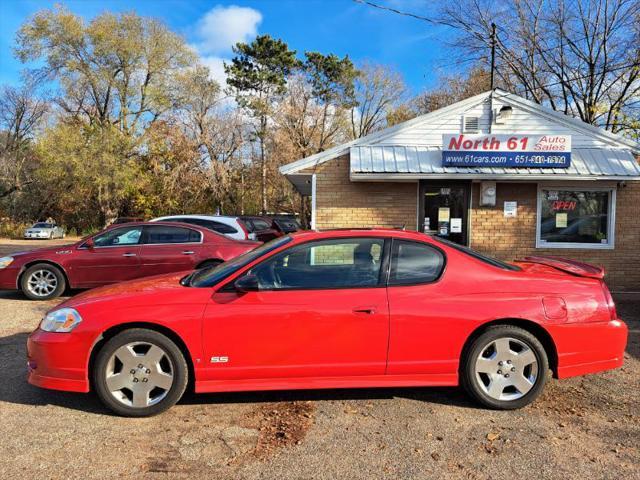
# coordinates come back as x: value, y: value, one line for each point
x: 263, y: 164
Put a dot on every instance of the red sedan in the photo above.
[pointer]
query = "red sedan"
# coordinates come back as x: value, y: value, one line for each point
x: 121, y: 252
x: 340, y: 309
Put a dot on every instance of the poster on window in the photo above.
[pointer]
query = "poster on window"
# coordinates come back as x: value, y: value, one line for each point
x: 506, y: 150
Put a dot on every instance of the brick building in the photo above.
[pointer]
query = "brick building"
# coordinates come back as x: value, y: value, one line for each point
x: 495, y: 172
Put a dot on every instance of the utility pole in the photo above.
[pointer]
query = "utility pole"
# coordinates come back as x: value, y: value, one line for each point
x: 493, y: 74
x: 493, y: 54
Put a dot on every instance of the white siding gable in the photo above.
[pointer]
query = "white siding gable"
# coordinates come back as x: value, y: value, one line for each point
x: 523, y: 120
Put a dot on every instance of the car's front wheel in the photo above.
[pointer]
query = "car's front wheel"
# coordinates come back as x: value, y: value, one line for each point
x: 42, y: 281
x: 505, y: 368
x: 140, y: 372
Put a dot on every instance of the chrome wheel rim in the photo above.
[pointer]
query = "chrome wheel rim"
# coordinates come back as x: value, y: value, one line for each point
x: 139, y: 374
x: 42, y: 283
x: 506, y: 369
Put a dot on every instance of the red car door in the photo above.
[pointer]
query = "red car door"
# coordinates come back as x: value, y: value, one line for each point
x: 113, y: 257
x: 167, y: 249
x: 321, y: 311
x: 423, y: 312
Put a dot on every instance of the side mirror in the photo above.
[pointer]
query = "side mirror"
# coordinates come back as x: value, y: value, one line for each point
x: 247, y: 283
x: 89, y: 243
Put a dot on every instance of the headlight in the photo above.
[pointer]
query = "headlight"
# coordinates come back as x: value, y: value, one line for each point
x: 61, y: 321
x: 5, y: 262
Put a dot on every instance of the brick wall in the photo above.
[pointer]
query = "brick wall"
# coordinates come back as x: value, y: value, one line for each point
x: 512, y: 238
x: 341, y: 203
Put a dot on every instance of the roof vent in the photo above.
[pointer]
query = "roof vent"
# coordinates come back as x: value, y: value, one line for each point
x: 470, y: 124
x: 503, y: 114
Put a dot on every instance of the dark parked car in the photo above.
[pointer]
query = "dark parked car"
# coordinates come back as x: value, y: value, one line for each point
x: 120, y: 252
x: 286, y: 224
x: 260, y: 228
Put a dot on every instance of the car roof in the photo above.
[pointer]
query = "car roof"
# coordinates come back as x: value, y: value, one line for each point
x: 149, y: 223
x: 361, y: 232
x: 201, y: 216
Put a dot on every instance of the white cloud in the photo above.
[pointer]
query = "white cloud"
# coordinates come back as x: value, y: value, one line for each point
x: 222, y: 27
x: 216, y: 68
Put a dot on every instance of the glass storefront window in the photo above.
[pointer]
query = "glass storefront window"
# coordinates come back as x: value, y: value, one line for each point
x: 579, y: 218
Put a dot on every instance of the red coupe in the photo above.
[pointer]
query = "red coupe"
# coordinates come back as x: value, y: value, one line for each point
x: 337, y: 309
x: 121, y: 252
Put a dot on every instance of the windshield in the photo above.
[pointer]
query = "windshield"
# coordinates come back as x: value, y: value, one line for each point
x: 42, y: 225
x: 208, y: 277
x: 478, y: 256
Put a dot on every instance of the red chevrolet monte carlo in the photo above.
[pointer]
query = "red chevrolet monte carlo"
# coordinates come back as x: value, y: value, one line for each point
x: 121, y: 252
x: 337, y: 309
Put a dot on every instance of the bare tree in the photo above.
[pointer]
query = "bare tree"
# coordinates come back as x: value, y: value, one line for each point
x: 21, y: 113
x: 452, y: 89
x: 581, y: 57
x: 379, y: 91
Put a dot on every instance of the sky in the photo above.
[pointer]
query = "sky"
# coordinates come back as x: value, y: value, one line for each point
x: 412, y: 47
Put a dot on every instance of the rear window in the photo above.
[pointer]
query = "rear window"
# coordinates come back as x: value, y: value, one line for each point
x: 260, y: 224
x: 477, y: 255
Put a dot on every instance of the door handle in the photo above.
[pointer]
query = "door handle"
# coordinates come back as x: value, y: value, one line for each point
x: 188, y: 252
x: 365, y: 310
x: 129, y: 255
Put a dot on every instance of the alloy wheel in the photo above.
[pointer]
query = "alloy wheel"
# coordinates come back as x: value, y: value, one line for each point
x: 42, y: 283
x: 506, y: 369
x: 139, y: 374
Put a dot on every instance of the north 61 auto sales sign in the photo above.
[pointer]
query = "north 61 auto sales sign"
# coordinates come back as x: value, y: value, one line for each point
x: 522, y: 150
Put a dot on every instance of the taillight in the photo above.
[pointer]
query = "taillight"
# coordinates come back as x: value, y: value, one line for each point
x: 610, y: 303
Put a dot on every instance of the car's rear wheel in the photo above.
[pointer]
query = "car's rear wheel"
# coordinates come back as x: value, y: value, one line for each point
x: 42, y: 281
x: 505, y: 368
x: 139, y: 373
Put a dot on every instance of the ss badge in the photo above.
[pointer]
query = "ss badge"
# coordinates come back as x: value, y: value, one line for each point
x: 219, y: 359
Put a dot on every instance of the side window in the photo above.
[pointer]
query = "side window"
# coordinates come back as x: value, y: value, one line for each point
x: 338, y: 263
x: 163, y: 234
x: 413, y: 262
x: 118, y: 236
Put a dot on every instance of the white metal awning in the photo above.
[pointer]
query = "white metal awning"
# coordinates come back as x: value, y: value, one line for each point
x: 391, y: 162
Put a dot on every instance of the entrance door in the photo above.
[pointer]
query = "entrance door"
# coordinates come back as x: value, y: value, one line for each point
x: 446, y: 207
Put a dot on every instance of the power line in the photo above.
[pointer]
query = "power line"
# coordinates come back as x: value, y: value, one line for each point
x: 583, y: 77
x: 400, y: 12
x: 442, y: 22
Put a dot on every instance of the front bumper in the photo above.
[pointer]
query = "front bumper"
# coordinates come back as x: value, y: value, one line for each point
x: 589, y: 347
x: 57, y: 361
x: 37, y: 235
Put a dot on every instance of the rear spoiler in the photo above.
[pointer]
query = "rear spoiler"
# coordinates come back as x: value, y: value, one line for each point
x: 570, y: 266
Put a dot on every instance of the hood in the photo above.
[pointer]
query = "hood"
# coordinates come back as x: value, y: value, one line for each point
x: 61, y: 249
x: 139, y: 289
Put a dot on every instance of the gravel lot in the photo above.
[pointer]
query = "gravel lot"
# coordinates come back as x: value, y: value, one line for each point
x: 585, y: 427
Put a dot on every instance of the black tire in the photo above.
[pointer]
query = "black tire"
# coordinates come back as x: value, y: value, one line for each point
x: 209, y: 263
x: 29, y: 276
x: 476, y: 383
x: 178, y: 364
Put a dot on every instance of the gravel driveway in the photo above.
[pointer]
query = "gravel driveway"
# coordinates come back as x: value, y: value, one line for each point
x: 586, y: 427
